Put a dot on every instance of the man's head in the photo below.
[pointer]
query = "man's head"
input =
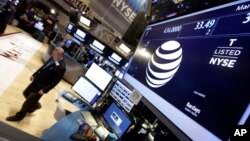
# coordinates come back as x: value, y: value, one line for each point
x: 86, y: 130
x: 57, y: 54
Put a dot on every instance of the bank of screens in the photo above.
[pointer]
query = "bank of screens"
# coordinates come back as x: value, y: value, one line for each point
x: 122, y: 95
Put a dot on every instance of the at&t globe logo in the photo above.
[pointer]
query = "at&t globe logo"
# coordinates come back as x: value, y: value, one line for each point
x: 164, y: 64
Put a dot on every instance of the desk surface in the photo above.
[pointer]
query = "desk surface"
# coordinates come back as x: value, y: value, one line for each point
x: 63, y: 129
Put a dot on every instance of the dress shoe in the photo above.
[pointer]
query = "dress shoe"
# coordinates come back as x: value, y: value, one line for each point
x: 36, y: 108
x: 14, y: 118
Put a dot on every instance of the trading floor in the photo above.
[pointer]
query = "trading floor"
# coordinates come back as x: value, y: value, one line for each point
x: 160, y: 70
x: 11, y: 99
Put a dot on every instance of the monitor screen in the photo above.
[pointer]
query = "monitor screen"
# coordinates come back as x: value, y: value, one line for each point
x: 68, y: 43
x: 37, y: 18
x: 98, y: 76
x: 39, y: 26
x: 197, y: 70
x: 80, y: 35
x: 116, y: 57
x: 85, y: 21
x: 86, y: 90
x: 69, y: 27
x: 117, y: 73
x: 121, y: 93
x: 97, y: 46
x: 117, y: 119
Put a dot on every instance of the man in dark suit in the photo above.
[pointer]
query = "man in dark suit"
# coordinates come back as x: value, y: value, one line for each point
x: 42, y: 81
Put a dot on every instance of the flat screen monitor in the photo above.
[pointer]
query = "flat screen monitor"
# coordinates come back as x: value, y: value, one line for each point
x: 116, y: 57
x: 97, y: 46
x: 122, y: 95
x: 86, y: 90
x: 69, y: 27
x: 197, y: 73
x: 39, y: 26
x: 76, y: 41
x: 85, y: 21
x: 80, y: 35
x: 117, y: 73
x: 68, y: 43
x: 98, y: 76
x: 117, y: 120
x: 37, y: 18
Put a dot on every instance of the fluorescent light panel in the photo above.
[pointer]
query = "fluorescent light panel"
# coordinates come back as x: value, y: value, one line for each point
x: 85, y: 21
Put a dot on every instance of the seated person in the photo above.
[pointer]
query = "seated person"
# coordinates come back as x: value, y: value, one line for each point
x: 97, y: 59
x: 27, y: 21
x: 72, y: 49
x: 84, y: 133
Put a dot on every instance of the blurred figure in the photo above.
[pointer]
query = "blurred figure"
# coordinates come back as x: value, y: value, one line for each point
x: 11, y: 10
x: 42, y: 81
x: 84, y: 133
x: 6, y: 16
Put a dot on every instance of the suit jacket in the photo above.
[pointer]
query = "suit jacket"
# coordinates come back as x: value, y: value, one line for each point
x: 46, y: 78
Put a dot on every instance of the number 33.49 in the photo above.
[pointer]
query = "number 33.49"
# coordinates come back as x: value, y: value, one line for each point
x: 247, y: 19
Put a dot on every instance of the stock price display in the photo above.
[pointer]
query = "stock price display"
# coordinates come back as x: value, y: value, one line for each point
x: 199, y: 63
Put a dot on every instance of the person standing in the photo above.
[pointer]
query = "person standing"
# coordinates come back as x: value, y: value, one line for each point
x: 6, y: 16
x: 42, y: 81
x: 10, y: 13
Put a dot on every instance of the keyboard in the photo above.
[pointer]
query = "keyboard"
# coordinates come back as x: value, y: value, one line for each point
x: 88, y: 118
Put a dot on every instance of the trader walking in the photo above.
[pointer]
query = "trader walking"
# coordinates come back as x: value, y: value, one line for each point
x: 42, y: 81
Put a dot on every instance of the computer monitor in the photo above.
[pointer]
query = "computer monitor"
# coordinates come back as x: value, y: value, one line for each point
x: 117, y: 120
x: 97, y: 46
x: 98, y: 76
x: 69, y: 27
x: 86, y: 90
x: 115, y: 58
x: 79, y: 34
x: 117, y: 73
x: 39, y: 26
x: 68, y: 43
x: 121, y: 93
